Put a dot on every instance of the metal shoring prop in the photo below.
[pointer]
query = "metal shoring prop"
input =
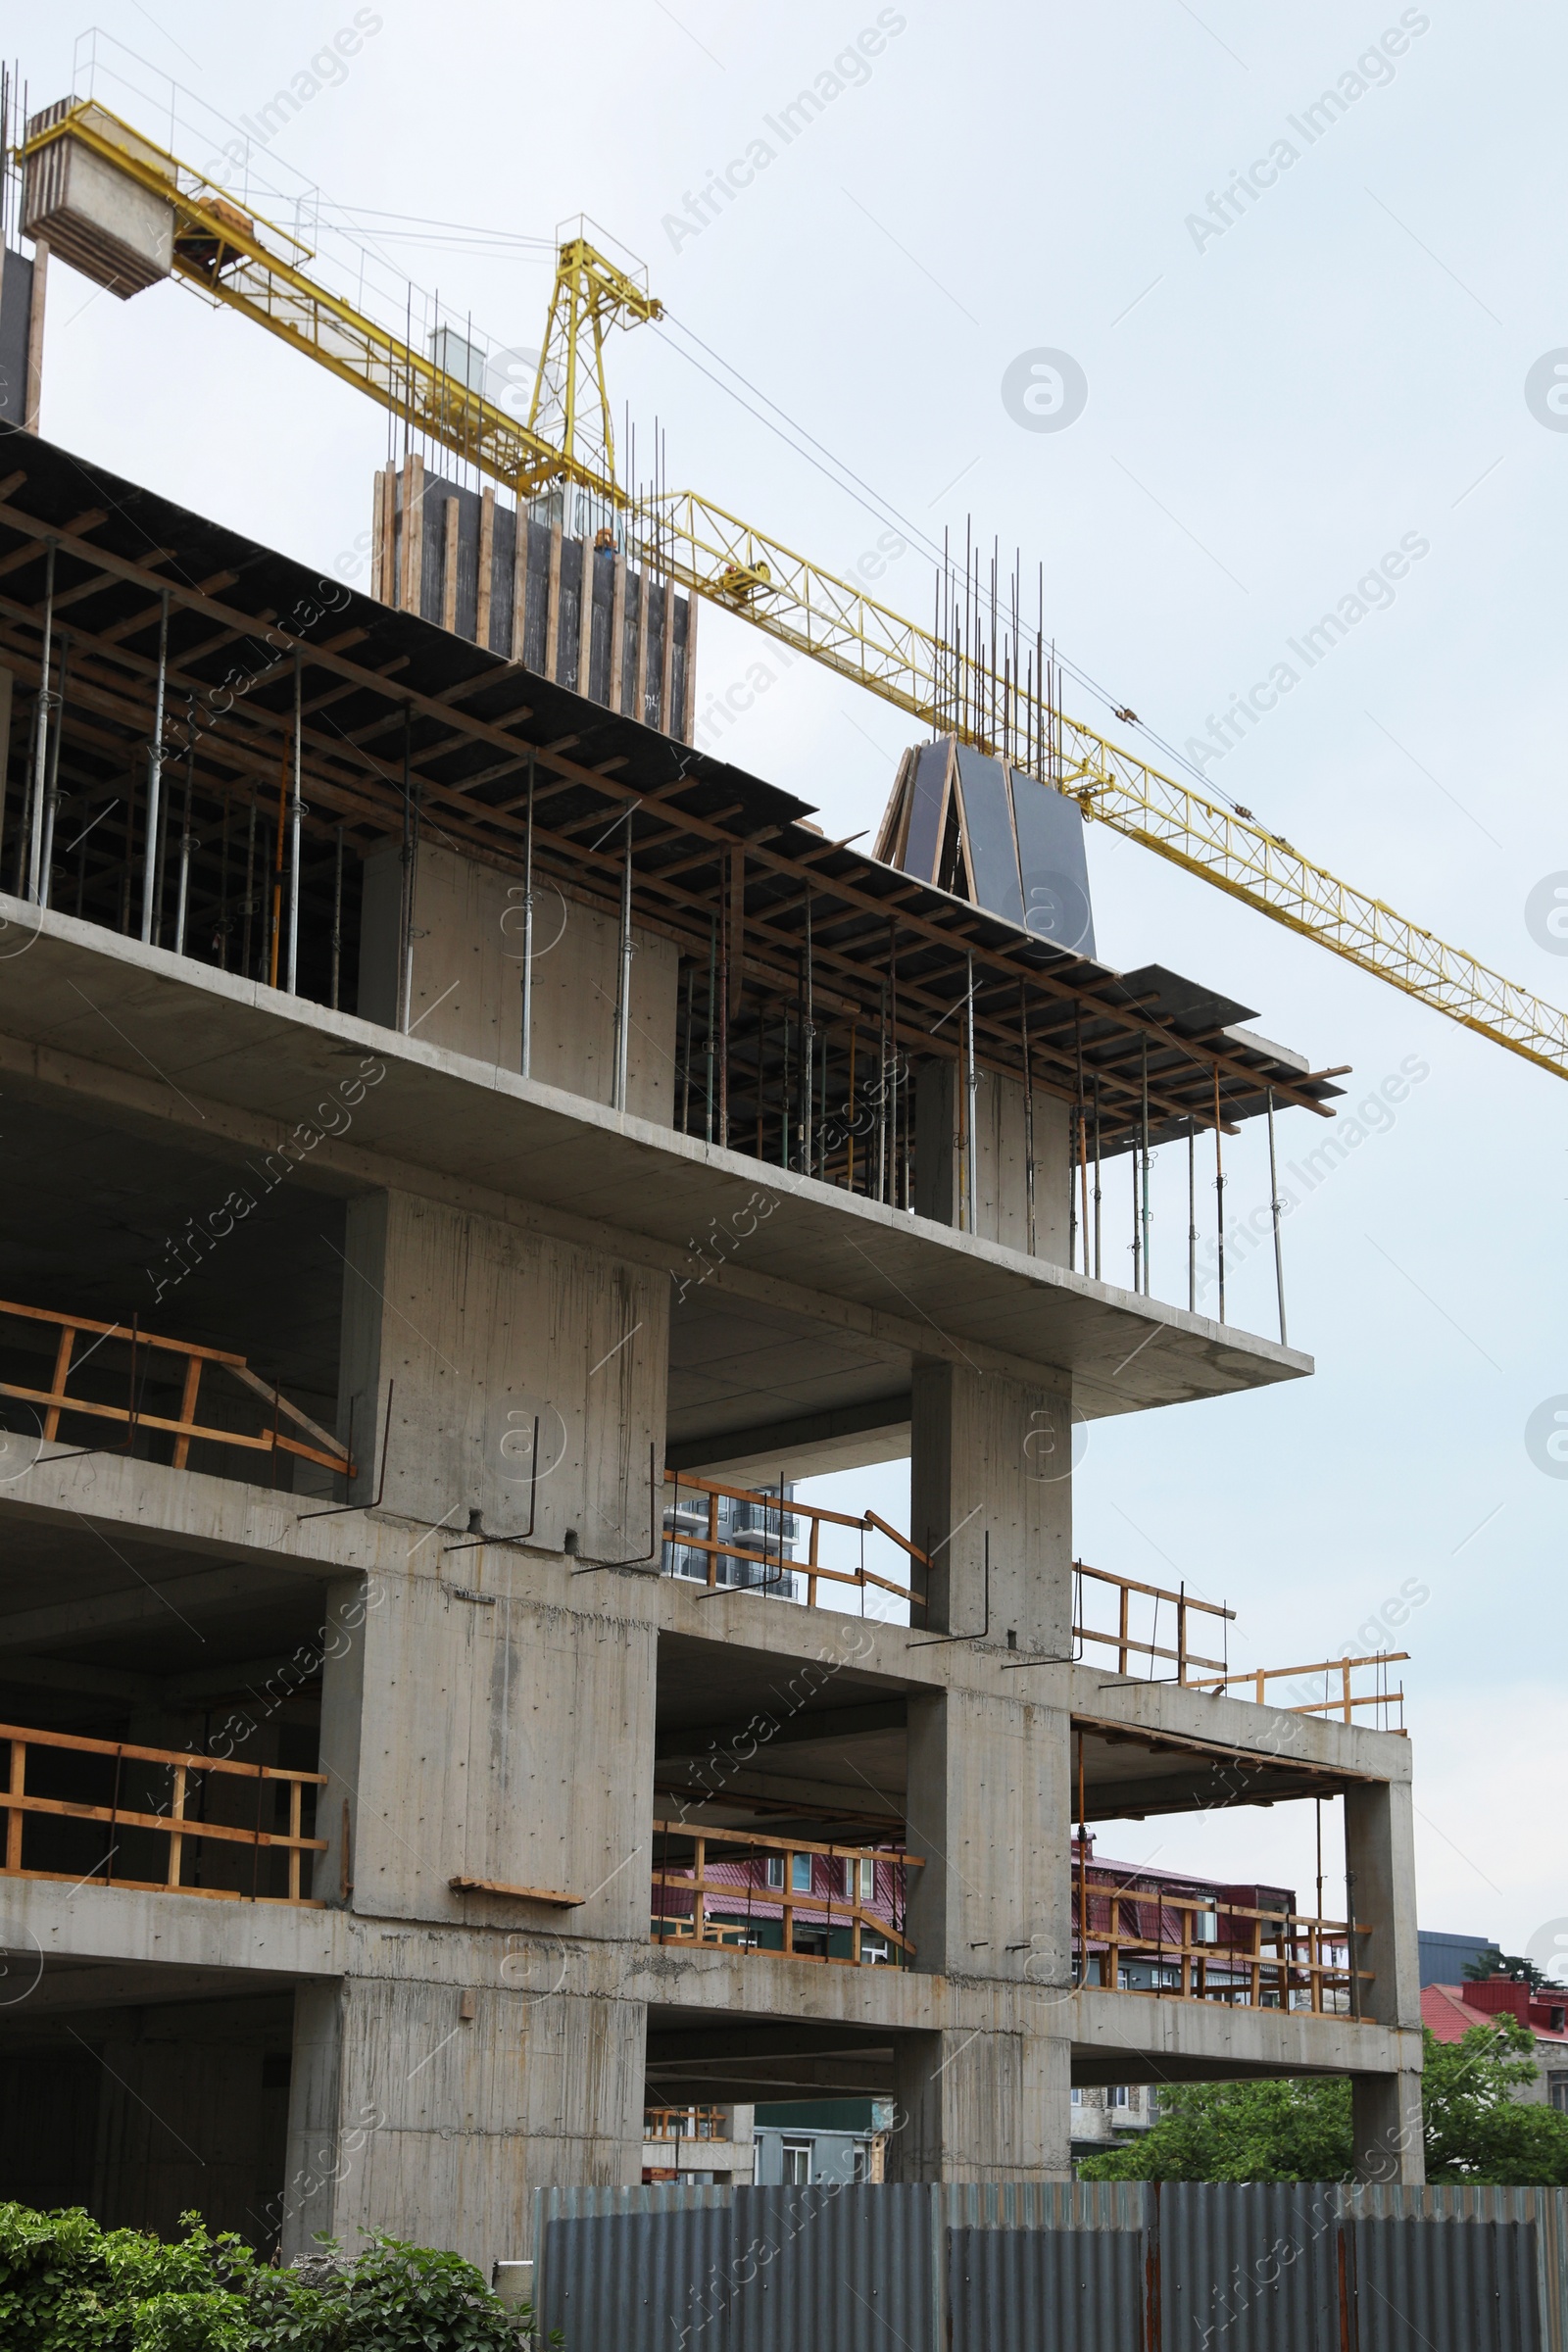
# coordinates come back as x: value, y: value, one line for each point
x: 1192, y: 1216
x: 623, y: 981
x: 410, y: 844
x: 1147, y: 1292
x: 155, y: 778
x: 1219, y: 1194
x: 296, y: 810
x: 708, y: 1035
x: 40, y: 762
x: 337, y: 917
x: 971, y: 1084
x: 523, y: 1533
x: 528, y: 929
x: 1274, y: 1205
x: 1029, y: 1120
x: 51, y: 795
x: 808, y: 1046
x: 183, y: 888
x: 1096, y: 1177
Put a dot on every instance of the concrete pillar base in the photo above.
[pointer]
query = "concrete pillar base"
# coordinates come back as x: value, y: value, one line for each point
x: 981, y: 2106
x: 1386, y: 2129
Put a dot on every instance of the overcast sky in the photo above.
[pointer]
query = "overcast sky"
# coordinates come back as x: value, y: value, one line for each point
x: 1281, y: 386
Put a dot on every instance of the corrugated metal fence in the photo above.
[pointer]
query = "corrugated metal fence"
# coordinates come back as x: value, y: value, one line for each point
x: 1072, y: 2267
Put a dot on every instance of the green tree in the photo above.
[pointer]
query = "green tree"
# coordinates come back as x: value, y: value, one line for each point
x: 1476, y: 2127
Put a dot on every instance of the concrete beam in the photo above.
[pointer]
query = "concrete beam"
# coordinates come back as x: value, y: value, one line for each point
x: 213, y: 1590
x: 849, y: 1438
x: 831, y: 1723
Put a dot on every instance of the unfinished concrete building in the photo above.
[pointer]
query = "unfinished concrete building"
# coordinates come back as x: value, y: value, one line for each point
x: 449, y: 1125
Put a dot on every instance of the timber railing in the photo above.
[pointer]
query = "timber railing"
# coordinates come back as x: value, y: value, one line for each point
x: 1341, y: 1702
x: 770, y: 1550
x: 693, y: 1904
x: 1214, y: 1950
x: 1340, y: 1697
x: 145, y: 1360
x: 248, y: 1847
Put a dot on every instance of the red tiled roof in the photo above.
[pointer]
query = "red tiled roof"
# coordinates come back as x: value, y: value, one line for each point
x: 1451, y: 2016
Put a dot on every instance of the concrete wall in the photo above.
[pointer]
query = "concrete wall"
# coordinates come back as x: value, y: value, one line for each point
x: 466, y: 990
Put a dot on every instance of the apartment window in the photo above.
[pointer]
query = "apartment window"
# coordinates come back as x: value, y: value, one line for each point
x: 873, y: 1951
x: 1116, y: 2096
x: 796, y: 2163
x: 1077, y: 2099
x: 860, y: 1881
x: 857, y: 2162
x: 776, y: 1870
x: 800, y: 1874
x: 1205, y: 1923
x: 1558, y: 2092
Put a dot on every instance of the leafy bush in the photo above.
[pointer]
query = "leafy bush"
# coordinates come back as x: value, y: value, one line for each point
x: 1476, y: 2125
x: 66, y: 2286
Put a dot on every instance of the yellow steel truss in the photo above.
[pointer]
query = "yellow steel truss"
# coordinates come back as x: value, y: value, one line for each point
x: 253, y: 266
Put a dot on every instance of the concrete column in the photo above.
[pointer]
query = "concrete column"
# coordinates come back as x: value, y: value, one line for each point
x: 988, y: 1795
x: 466, y: 977
x: 434, y: 2110
x: 1002, y: 1210
x: 993, y: 1456
x: 989, y: 2106
x: 1380, y: 1859
x: 485, y: 1330
x: 1386, y: 2127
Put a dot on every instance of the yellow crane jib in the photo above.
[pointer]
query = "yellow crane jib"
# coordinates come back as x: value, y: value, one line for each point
x: 127, y: 213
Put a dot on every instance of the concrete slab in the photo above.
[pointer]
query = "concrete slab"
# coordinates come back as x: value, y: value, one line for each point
x: 75, y: 1000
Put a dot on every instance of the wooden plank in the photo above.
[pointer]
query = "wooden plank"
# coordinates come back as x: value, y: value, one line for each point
x: 522, y: 1895
x: 449, y: 568
x: 487, y: 557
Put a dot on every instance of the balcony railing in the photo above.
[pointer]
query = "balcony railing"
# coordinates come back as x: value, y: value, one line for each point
x: 251, y: 1851
x: 1343, y: 1702
x: 686, y: 2123
x: 1174, y: 1611
x: 122, y: 1365
x: 1194, y: 1947
x: 767, y: 1548
x: 726, y: 1902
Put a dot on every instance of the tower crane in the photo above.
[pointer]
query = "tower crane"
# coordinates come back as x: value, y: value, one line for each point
x: 172, y: 221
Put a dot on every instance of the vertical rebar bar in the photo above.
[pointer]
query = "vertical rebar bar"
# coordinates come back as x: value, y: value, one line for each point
x: 155, y: 778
